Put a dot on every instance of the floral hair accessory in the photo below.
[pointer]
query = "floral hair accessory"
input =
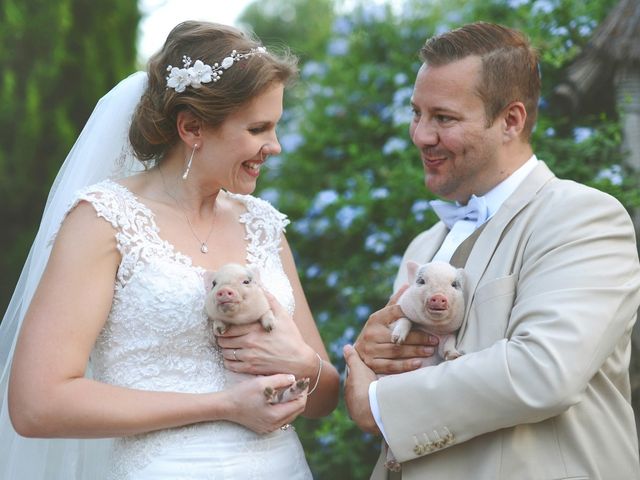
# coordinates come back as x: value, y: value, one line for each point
x: 198, y: 73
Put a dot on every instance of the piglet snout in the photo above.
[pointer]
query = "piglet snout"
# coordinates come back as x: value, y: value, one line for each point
x: 225, y: 294
x: 438, y: 301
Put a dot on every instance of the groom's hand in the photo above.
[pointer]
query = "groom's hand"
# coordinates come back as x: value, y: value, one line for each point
x: 377, y: 350
x: 356, y: 391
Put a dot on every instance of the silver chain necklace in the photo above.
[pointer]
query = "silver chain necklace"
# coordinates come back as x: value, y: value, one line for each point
x: 204, y: 248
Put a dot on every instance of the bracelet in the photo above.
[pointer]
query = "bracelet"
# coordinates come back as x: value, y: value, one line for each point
x: 318, y: 377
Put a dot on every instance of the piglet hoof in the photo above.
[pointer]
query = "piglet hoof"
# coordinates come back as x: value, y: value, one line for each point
x: 396, y: 338
x: 220, y: 329
x: 269, y: 394
x: 300, y: 386
x: 268, y: 321
x: 392, y: 465
x: 286, y: 394
x: 451, y: 355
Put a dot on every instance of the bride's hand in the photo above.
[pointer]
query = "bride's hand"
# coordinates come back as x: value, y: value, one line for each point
x: 250, y: 349
x: 247, y: 404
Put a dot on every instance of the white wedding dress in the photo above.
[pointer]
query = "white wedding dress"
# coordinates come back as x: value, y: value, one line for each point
x: 155, y: 338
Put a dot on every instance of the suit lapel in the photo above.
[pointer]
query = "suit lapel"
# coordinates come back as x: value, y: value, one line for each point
x: 495, y: 229
x: 439, y: 232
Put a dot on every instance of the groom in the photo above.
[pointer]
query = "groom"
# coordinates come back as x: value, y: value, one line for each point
x: 553, y: 287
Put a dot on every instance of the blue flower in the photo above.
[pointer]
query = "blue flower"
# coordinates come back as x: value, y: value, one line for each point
x: 313, y: 271
x: 364, y: 75
x: 613, y: 173
x: 323, y: 199
x: 347, y: 214
x: 327, y: 439
x: 335, y: 110
x: 542, y: 6
x: 302, y: 226
x: 333, y: 152
x: 320, y: 226
x: 580, y: 134
x: 394, y: 144
x: 418, y: 208
x: 323, y: 317
x: 271, y: 195
x: 338, y: 47
x: 400, y: 78
x: 347, y: 337
x: 332, y: 279
x: 402, y: 96
x: 342, y: 26
x: 377, y: 242
x: 291, y: 141
x: 380, y: 193
x: 399, y: 108
x: 363, y: 312
x: 373, y: 13
x: 312, y: 68
x: 395, y: 260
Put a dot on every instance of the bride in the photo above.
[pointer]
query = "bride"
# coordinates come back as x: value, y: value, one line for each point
x: 113, y: 340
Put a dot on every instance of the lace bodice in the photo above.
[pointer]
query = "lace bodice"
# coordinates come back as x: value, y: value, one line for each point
x: 156, y: 336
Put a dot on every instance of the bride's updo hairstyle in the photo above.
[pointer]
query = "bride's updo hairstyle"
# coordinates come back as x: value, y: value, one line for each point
x: 153, y: 128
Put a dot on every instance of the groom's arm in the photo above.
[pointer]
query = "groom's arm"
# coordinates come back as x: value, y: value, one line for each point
x: 356, y: 391
x: 576, y: 298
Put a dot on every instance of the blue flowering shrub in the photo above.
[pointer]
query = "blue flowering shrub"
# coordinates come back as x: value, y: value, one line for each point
x: 352, y: 182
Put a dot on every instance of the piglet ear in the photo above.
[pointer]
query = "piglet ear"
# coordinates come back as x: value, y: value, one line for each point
x: 207, y: 278
x: 412, y: 268
x: 461, y: 276
x: 255, y: 272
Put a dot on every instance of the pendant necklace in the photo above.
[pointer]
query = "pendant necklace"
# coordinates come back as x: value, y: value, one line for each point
x: 204, y: 248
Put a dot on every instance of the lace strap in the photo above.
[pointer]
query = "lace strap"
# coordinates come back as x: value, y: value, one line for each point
x: 134, y: 222
x: 264, y: 226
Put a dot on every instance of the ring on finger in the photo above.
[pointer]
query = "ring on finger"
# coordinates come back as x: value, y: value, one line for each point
x: 235, y: 357
x: 285, y: 427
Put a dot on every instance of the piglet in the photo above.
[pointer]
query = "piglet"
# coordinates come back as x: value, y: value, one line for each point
x: 237, y: 298
x: 434, y: 302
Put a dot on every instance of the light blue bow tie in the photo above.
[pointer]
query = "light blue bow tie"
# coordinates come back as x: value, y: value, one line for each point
x: 476, y: 210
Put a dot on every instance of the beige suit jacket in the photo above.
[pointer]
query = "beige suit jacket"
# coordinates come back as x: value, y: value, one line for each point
x: 542, y: 390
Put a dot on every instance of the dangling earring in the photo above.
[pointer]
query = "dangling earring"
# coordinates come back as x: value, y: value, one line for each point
x: 186, y: 172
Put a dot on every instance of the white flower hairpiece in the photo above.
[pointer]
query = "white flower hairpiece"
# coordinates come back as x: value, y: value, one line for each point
x: 194, y: 76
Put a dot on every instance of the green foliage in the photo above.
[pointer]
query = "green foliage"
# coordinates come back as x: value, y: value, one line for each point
x: 352, y: 182
x: 48, y: 50
x: 289, y: 22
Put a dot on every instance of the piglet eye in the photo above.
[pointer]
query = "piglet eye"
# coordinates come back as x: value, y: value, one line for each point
x: 246, y: 282
x: 420, y: 281
x: 213, y: 284
x: 455, y: 284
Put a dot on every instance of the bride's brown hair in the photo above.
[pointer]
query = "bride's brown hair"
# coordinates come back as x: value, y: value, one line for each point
x: 153, y: 128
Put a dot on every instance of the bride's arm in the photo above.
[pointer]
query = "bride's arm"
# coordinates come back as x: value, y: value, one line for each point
x: 324, y: 398
x: 48, y: 394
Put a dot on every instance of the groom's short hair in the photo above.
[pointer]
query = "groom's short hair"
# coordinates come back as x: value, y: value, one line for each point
x: 510, y: 65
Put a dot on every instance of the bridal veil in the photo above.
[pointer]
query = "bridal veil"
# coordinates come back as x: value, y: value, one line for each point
x: 101, y: 151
